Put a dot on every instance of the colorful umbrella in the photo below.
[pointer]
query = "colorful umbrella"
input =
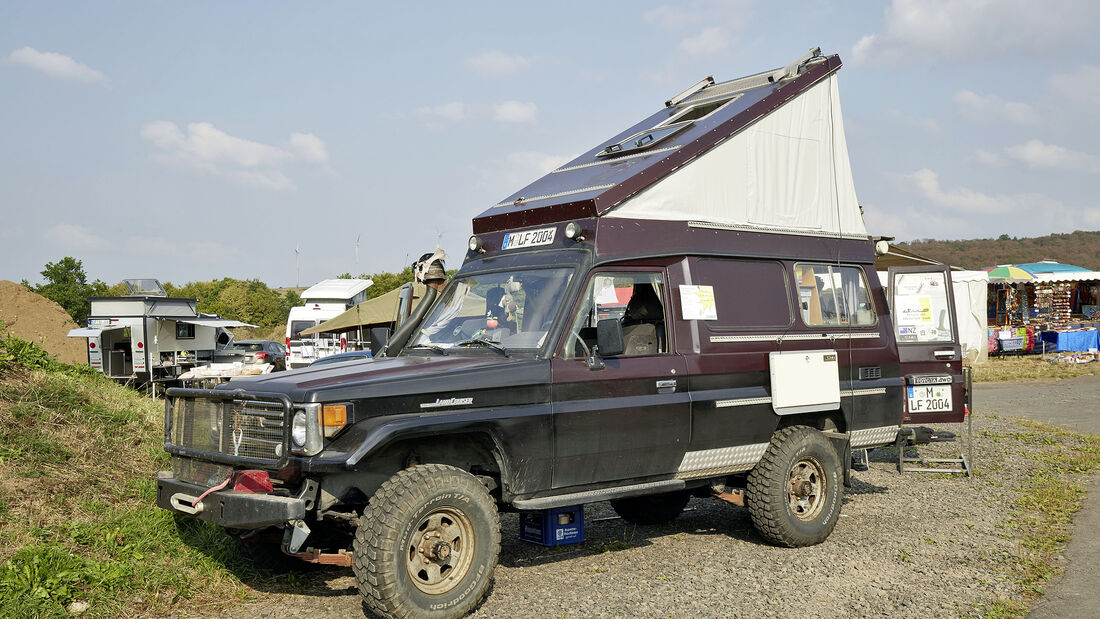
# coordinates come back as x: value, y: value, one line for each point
x: 1008, y: 273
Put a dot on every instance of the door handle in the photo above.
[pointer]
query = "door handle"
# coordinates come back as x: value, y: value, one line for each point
x: 667, y: 383
x: 942, y: 354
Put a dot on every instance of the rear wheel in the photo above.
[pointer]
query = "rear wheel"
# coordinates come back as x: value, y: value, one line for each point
x: 427, y: 544
x: 794, y: 492
x: 651, y: 509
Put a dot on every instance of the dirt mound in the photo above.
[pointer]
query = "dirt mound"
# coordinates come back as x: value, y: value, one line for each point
x: 35, y: 318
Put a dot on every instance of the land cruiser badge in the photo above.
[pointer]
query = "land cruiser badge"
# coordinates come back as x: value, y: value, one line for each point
x: 441, y: 402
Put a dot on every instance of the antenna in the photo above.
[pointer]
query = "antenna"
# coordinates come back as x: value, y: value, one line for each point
x: 357, y: 251
x: 297, y: 267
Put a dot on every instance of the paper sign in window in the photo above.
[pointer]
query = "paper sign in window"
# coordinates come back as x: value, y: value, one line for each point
x: 697, y: 303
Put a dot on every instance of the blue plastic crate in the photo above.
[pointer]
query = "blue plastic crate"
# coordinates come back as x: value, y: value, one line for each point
x: 553, y: 527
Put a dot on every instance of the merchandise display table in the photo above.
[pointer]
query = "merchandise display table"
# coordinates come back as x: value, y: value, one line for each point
x: 1083, y: 339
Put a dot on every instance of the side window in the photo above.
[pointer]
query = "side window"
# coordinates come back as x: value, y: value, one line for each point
x: 185, y: 331
x: 637, y: 300
x: 830, y: 295
x: 747, y: 293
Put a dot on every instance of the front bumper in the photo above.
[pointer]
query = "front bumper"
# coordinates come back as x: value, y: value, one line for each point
x: 228, y: 508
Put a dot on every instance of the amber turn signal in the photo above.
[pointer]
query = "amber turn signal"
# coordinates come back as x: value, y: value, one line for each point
x: 333, y: 418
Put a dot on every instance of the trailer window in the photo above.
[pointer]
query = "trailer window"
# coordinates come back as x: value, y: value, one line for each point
x: 185, y: 331
x: 297, y: 326
x: 830, y: 295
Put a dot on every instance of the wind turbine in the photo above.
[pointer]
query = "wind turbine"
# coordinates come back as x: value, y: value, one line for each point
x: 297, y: 267
x: 357, y: 251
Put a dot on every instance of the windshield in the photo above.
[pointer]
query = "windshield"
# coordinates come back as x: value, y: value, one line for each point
x: 513, y: 309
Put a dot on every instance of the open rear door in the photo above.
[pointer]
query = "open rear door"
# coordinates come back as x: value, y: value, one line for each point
x: 923, y: 310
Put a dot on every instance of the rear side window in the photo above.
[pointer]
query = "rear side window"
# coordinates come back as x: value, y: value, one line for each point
x: 831, y: 295
x: 747, y: 293
x: 297, y: 326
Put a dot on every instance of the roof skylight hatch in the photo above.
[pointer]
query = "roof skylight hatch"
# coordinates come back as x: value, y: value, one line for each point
x: 676, y: 123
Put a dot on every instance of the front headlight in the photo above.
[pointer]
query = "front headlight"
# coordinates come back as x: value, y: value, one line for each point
x: 298, y: 429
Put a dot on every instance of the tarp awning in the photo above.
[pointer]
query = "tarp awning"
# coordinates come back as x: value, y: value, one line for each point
x: 213, y: 322
x: 94, y: 331
x: 379, y: 310
x: 1081, y: 276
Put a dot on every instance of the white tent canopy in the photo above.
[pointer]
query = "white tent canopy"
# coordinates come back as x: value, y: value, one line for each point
x: 787, y: 173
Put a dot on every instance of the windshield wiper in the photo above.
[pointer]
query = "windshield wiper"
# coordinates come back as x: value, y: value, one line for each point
x: 490, y: 343
x: 438, y: 349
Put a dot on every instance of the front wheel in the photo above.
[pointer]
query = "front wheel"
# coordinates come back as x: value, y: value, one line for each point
x: 794, y: 492
x: 427, y: 544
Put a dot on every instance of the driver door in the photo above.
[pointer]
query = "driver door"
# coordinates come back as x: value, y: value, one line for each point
x: 632, y: 418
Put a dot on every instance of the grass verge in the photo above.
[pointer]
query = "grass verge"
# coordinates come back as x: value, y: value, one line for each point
x: 78, y: 523
x: 1043, y: 510
x: 1011, y: 369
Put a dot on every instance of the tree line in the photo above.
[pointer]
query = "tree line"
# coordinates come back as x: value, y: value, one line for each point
x: 1080, y: 248
x: 251, y: 301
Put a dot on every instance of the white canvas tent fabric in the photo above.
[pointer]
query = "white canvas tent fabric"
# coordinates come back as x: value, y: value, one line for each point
x: 787, y: 173
x: 971, y: 288
x: 1076, y: 276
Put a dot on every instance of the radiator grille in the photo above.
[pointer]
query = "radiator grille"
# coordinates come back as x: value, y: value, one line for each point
x: 199, y: 472
x: 246, y: 429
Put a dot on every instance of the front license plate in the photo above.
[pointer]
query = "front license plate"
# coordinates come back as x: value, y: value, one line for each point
x: 929, y: 399
x: 528, y: 238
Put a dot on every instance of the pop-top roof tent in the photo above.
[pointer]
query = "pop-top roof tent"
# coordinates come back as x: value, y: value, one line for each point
x: 764, y: 153
x: 335, y: 289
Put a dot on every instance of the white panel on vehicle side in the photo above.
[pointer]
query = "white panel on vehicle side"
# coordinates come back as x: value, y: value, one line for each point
x: 804, y: 381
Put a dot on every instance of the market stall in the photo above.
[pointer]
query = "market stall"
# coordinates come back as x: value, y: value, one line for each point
x: 1046, y: 307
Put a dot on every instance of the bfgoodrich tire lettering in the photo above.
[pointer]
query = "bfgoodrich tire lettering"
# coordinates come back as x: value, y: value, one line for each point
x: 427, y: 544
x: 794, y: 492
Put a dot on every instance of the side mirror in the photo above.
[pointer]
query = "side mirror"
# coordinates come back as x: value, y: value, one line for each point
x: 379, y: 337
x: 609, y: 338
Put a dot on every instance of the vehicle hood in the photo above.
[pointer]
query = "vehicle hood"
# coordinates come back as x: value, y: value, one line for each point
x: 434, y: 377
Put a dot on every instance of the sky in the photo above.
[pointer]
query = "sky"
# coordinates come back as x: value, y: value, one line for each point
x: 201, y: 140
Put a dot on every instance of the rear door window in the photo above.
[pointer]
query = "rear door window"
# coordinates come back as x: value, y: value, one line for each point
x: 833, y: 295
x: 297, y: 326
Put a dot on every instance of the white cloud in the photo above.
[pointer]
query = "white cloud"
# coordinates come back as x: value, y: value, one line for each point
x: 205, y: 148
x: 515, y: 112
x: 72, y: 236
x: 708, y: 27
x: 1081, y: 85
x: 915, y: 30
x: 519, y: 169
x: 453, y: 112
x: 496, y: 63
x: 990, y: 107
x: 707, y: 43
x: 309, y: 147
x: 990, y: 159
x: 509, y: 112
x: 54, y: 65
x: 927, y: 184
x: 1036, y: 154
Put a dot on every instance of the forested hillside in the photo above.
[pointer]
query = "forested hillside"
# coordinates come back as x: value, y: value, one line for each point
x: 1081, y: 248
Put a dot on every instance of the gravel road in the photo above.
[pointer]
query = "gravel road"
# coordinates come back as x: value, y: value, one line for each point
x: 925, y: 545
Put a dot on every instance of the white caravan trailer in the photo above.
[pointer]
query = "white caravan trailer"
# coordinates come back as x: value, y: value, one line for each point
x: 149, y: 336
x: 326, y: 299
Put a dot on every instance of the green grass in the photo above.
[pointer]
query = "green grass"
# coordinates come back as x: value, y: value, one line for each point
x: 78, y: 521
x: 1043, y: 510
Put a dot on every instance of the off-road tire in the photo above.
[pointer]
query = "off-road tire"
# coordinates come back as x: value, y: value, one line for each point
x: 799, y: 460
x: 413, y: 505
x: 651, y: 509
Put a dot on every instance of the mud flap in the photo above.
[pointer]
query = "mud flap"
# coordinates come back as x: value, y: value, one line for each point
x: 843, y: 445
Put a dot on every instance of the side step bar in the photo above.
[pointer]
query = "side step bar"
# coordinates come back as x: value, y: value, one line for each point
x: 591, y: 496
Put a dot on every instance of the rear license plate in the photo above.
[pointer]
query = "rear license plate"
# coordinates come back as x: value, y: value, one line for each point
x: 528, y: 238
x: 929, y: 399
